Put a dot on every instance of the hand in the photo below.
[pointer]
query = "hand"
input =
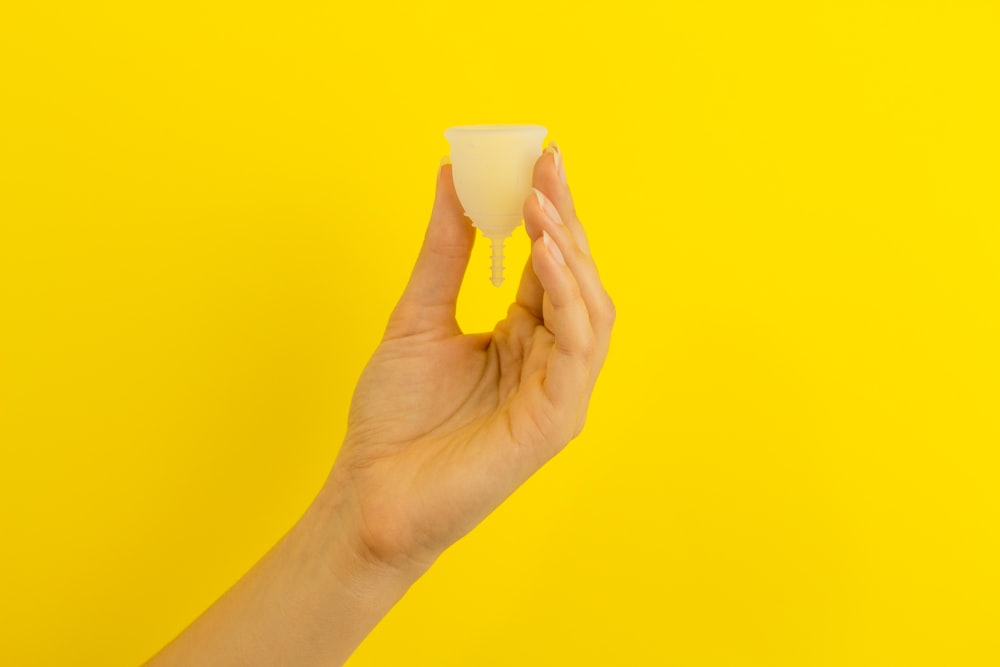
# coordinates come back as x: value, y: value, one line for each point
x: 444, y: 426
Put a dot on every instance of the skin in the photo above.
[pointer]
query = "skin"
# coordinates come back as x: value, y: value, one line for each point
x: 443, y: 427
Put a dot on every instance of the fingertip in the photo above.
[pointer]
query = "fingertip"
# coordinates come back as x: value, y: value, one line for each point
x: 448, y: 215
x: 557, y: 160
x: 550, y: 266
x: 445, y: 183
x: 547, y: 175
x: 553, y: 249
x: 428, y: 301
x: 532, y: 213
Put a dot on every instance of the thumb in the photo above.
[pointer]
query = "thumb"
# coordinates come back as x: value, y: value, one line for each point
x: 428, y: 302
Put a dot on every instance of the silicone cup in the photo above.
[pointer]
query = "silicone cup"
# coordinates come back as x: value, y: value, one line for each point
x: 492, y: 167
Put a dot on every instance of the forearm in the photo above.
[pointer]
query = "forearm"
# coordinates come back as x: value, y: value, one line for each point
x: 310, y: 600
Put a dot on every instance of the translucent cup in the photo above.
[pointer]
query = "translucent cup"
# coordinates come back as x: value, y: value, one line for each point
x: 492, y: 167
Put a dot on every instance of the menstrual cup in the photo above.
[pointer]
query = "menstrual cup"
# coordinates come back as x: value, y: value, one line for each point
x: 492, y: 167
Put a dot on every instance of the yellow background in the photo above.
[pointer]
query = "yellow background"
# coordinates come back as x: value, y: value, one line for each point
x: 207, y: 210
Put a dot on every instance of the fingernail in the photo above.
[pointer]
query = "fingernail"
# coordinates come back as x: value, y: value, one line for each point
x: 547, y: 207
x: 551, y: 246
x: 445, y: 160
x: 553, y: 149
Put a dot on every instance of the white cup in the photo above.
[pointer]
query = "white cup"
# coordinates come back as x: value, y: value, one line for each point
x: 492, y: 167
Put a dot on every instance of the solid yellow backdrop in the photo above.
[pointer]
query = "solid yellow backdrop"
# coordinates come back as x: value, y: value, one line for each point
x: 207, y: 210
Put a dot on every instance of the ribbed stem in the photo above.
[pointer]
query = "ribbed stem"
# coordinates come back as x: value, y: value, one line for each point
x: 497, y: 247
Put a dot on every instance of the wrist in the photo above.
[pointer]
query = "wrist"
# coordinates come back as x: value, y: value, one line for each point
x: 311, y: 599
x: 317, y: 590
x: 335, y: 530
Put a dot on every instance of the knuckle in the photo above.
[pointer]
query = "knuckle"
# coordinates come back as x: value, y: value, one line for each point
x: 605, y: 312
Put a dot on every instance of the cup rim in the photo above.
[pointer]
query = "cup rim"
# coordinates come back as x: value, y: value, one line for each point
x: 494, y: 128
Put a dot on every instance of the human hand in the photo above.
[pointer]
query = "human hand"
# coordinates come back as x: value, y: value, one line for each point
x: 444, y: 426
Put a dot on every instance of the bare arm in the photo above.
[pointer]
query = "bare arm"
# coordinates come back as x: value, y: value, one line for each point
x: 310, y: 601
x: 443, y: 427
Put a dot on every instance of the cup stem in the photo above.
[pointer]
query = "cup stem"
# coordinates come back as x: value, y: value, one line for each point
x: 496, y: 245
